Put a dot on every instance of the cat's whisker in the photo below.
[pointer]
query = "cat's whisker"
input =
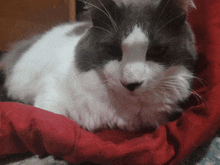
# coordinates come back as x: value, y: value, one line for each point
x: 97, y: 27
x: 198, y: 97
x: 107, y: 14
x: 202, y: 81
x: 161, y: 95
x: 110, y: 17
x: 164, y: 93
x: 162, y: 11
x: 173, y: 79
x: 168, y: 23
x: 163, y: 20
x: 153, y: 95
x: 170, y: 86
x: 174, y: 84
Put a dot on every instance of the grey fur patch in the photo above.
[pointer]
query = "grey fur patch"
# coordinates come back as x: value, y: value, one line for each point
x: 10, y: 59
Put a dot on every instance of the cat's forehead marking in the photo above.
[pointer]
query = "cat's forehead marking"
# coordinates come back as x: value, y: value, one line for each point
x: 135, y: 45
x: 136, y: 36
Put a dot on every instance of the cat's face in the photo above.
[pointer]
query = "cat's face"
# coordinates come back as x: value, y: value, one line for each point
x: 144, y: 50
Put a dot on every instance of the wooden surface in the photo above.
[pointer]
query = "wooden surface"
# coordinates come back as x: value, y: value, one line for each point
x: 24, y: 18
x: 72, y: 10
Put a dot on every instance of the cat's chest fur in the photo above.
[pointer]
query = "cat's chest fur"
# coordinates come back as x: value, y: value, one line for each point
x: 98, y: 106
x: 93, y: 105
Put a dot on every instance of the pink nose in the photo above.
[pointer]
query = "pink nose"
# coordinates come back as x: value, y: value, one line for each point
x: 132, y: 86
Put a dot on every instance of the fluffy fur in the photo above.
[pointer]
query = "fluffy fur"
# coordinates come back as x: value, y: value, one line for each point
x: 128, y: 69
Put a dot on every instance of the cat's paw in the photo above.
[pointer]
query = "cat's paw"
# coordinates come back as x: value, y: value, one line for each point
x: 130, y: 125
x: 50, y: 106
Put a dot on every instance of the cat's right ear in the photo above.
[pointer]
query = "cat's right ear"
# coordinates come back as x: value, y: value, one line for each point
x: 104, y: 13
x: 173, y: 13
x: 186, y: 4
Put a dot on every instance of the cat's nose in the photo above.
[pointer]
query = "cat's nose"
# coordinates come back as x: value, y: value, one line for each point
x: 132, y: 86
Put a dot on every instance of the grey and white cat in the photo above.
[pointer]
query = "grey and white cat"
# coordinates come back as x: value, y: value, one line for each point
x: 128, y: 68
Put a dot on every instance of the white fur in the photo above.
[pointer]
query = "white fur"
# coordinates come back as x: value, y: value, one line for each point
x: 46, y: 76
x: 134, y: 48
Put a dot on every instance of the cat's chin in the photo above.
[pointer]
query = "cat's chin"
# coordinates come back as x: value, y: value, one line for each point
x: 126, y: 94
x: 131, y: 94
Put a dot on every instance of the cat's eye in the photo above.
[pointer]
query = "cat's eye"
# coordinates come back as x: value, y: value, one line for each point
x: 115, y: 51
x: 157, y: 50
x: 156, y: 53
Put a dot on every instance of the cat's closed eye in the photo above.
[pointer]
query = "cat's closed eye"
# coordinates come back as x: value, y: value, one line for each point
x: 156, y: 53
x: 115, y: 51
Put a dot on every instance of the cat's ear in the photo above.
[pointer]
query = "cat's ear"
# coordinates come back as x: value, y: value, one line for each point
x: 173, y: 12
x: 183, y: 5
x: 186, y: 4
x: 104, y: 13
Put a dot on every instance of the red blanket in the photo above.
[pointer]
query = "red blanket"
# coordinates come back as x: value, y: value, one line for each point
x: 24, y: 128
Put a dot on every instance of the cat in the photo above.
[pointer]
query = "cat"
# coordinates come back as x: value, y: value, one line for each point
x: 127, y: 68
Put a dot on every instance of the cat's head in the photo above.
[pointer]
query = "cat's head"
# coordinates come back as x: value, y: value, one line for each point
x: 143, y: 48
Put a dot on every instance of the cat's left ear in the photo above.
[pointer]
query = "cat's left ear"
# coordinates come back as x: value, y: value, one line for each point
x: 104, y: 13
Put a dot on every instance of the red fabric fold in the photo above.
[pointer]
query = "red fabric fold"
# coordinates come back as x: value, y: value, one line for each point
x: 25, y: 128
